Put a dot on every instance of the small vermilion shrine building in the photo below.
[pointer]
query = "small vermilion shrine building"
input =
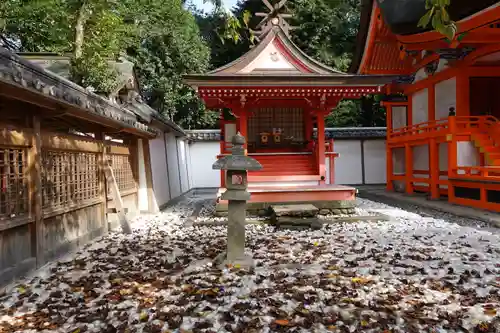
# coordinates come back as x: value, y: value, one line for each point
x: 277, y: 95
x: 443, y: 136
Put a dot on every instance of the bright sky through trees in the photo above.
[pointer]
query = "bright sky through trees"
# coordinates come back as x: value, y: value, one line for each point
x: 207, y: 6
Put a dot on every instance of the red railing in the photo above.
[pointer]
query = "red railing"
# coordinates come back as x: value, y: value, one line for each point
x: 420, y: 131
x: 479, y: 173
x: 444, y: 126
x: 458, y: 125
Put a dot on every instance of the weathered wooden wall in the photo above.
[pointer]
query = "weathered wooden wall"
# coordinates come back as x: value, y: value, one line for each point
x: 53, y: 194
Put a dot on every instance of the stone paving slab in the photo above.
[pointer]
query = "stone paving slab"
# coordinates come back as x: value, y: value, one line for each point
x: 300, y: 210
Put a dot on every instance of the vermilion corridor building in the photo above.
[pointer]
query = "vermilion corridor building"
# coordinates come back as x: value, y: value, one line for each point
x: 443, y: 129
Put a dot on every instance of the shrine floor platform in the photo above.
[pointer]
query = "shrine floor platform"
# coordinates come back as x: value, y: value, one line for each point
x: 323, y: 197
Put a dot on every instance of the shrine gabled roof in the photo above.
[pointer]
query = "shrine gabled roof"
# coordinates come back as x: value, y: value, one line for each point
x: 277, y: 61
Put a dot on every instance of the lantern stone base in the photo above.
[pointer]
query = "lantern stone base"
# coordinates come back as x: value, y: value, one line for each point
x: 244, y: 262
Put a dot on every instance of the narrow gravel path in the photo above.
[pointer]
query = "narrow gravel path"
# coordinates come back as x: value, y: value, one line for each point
x: 412, y: 274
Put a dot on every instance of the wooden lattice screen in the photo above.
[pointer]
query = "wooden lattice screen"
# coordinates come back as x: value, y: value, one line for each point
x: 122, y: 170
x: 289, y: 120
x: 13, y: 183
x: 69, y: 178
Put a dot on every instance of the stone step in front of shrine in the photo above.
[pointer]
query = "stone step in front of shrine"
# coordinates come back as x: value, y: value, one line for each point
x: 300, y: 216
x: 300, y: 210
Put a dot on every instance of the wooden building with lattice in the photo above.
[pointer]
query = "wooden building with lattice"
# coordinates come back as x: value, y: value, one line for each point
x: 443, y: 115
x: 56, y: 139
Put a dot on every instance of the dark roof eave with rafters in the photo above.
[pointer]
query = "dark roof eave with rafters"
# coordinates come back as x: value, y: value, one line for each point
x: 265, y: 80
x: 23, y: 74
x: 406, y: 22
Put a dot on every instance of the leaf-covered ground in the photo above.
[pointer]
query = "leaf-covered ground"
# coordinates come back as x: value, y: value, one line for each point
x: 414, y: 274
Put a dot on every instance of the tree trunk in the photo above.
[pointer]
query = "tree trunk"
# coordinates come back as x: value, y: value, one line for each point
x: 80, y: 30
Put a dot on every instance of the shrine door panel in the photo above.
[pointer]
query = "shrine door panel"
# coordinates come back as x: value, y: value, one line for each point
x: 287, y: 123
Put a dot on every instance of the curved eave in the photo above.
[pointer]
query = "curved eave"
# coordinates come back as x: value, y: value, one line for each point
x: 362, y: 37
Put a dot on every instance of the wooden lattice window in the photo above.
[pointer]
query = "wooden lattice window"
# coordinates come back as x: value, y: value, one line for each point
x: 69, y: 178
x: 122, y: 170
x: 289, y: 120
x: 13, y: 183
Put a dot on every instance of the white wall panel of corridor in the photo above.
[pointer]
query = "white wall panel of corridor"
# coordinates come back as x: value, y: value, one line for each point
x: 361, y: 161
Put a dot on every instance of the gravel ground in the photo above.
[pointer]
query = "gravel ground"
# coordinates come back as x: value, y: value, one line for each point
x: 429, y: 212
x: 412, y: 274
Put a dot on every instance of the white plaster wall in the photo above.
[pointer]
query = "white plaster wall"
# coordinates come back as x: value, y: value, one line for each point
x: 183, y: 164
x: 468, y: 154
x: 420, y: 102
x: 442, y: 65
x: 420, y: 75
x: 173, y: 165
x: 398, y: 161
x: 421, y: 161
x: 327, y: 166
x: 187, y: 149
x: 375, y: 161
x: 203, y: 155
x: 399, y: 114
x: 159, y: 170
x: 446, y: 97
x: 143, y: 187
x: 443, y: 161
x: 348, y: 167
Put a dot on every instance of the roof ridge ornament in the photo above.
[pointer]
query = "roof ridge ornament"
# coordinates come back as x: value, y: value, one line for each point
x: 276, y: 17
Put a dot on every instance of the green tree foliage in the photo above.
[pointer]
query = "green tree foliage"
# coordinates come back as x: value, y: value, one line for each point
x: 160, y: 36
x: 171, y: 49
x: 326, y: 30
x: 437, y: 15
x: 92, y: 30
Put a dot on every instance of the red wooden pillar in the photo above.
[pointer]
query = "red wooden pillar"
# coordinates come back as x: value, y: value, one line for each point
x: 321, y: 146
x: 452, y: 155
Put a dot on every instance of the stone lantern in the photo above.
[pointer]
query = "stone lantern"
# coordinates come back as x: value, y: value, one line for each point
x: 237, y: 166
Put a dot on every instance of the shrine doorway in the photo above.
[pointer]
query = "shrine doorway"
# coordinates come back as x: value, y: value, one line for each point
x: 277, y: 129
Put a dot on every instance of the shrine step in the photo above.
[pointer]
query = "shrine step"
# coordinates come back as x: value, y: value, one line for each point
x: 297, y: 216
x: 297, y: 210
x: 297, y: 223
